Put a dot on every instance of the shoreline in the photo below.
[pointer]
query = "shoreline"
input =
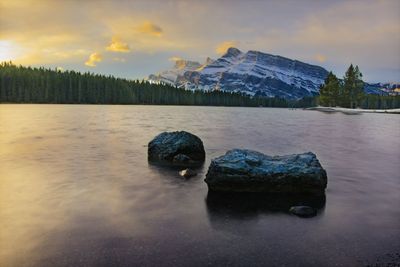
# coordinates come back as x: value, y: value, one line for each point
x: 350, y: 111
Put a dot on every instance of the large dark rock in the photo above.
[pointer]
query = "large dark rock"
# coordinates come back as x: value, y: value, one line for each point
x: 241, y: 170
x: 176, y: 148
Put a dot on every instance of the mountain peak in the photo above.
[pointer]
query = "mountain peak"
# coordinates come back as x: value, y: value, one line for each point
x: 232, y: 52
x: 186, y: 64
x: 209, y: 61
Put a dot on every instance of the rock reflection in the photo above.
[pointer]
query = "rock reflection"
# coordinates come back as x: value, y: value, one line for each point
x: 169, y: 166
x: 171, y: 173
x: 248, y: 205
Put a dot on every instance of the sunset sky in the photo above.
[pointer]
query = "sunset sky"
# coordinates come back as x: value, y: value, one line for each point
x: 132, y: 39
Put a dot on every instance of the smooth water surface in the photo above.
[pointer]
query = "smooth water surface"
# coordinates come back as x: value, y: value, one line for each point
x: 76, y: 189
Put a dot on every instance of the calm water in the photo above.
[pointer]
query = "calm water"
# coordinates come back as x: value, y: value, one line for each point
x: 76, y: 189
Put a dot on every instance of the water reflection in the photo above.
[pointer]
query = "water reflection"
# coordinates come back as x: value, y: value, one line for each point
x: 76, y: 189
x: 159, y: 165
x: 171, y: 172
x: 243, y: 206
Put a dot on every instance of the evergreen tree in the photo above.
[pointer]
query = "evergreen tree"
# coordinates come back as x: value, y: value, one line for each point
x: 353, y: 88
x: 330, y: 91
x: 359, y: 87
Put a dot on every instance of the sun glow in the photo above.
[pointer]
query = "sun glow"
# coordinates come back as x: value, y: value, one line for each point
x: 7, y: 51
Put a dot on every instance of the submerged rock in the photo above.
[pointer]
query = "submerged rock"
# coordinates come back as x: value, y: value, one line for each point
x: 241, y: 170
x: 176, y: 148
x: 303, y: 211
x: 187, y: 173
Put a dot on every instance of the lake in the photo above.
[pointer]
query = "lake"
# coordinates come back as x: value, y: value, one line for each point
x: 76, y: 189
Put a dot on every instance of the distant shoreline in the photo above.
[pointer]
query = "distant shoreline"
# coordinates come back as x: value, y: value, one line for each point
x: 347, y: 111
x: 350, y: 111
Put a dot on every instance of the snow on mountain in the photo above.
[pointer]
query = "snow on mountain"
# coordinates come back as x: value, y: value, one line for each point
x: 175, y: 76
x: 392, y: 88
x: 253, y: 73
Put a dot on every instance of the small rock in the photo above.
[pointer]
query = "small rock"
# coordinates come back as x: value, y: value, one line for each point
x: 187, y: 173
x: 303, y: 211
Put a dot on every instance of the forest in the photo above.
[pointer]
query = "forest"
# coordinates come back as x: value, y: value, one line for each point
x: 19, y: 84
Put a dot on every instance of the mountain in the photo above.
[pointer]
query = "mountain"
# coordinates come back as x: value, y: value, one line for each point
x: 382, y: 88
x: 175, y: 76
x: 253, y: 73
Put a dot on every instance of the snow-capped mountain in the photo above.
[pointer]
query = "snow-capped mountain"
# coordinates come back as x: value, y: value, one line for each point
x: 253, y: 72
x: 392, y: 88
x: 175, y: 76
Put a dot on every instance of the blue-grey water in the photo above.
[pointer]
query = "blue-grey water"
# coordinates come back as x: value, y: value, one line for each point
x: 76, y: 189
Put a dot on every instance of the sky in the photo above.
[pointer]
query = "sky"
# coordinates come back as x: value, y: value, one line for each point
x: 132, y: 39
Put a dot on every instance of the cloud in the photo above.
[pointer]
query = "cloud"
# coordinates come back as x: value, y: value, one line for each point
x: 149, y: 28
x: 47, y: 48
x: 362, y: 32
x: 175, y: 59
x: 224, y: 46
x: 118, y: 46
x: 93, y: 59
x: 7, y: 50
x: 320, y: 58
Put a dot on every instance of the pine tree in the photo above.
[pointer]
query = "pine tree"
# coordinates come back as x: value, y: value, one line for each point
x: 353, y: 91
x: 330, y: 91
x: 359, y: 87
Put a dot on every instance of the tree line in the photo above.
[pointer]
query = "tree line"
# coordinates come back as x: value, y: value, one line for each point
x: 349, y: 93
x: 19, y: 84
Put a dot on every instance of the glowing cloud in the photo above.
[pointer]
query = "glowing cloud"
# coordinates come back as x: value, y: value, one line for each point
x: 149, y: 28
x: 174, y: 59
x: 118, y: 46
x: 224, y: 46
x: 6, y: 51
x: 93, y: 59
x: 320, y: 58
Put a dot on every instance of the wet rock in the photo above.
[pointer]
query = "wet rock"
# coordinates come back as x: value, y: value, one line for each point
x: 187, y: 173
x: 241, y: 170
x: 303, y: 211
x: 176, y: 148
x: 181, y: 158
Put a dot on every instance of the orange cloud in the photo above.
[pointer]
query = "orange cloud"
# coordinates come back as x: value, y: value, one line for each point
x: 224, y: 46
x: 118, y: 46
x: 149, y: 28
x: 93, y: 59
x: 174, y: 58
x: 320, y: 58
